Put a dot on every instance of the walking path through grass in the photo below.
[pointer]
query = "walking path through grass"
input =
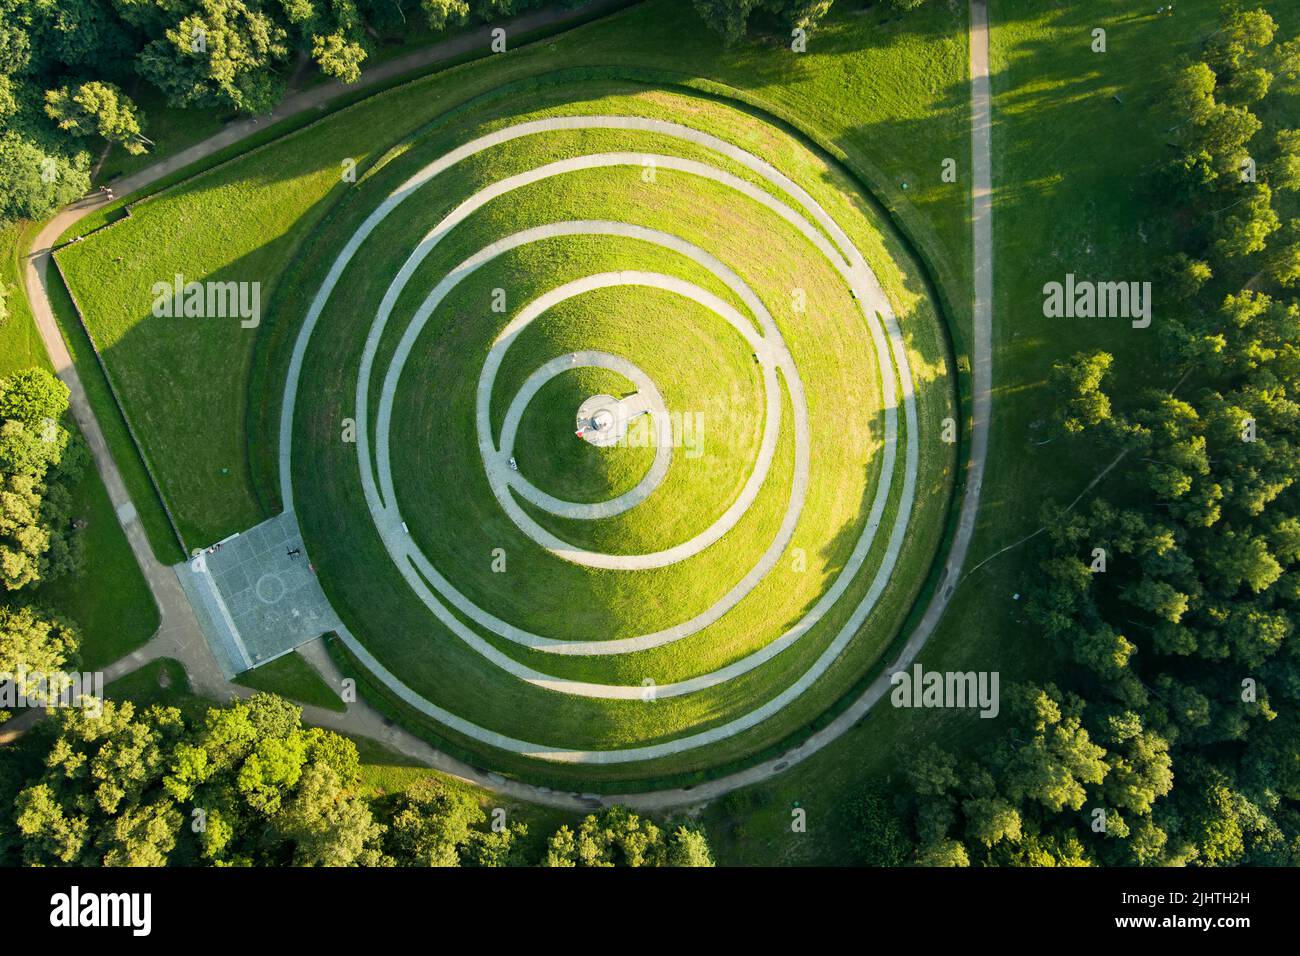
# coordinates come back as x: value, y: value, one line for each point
x: 179, y: 635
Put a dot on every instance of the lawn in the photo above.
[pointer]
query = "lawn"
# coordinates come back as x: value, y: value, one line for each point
x: 443, y: 499
x: 1073, y: 193
x: 291, y: 676
x: 1074, y: 151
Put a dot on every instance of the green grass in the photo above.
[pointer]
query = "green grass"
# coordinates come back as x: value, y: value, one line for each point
x: 171, y: 130
x: 124, y: 449
x: 292, y: 677
x: 578, y: 470
x: 108, y: 599
x: 888, y: 100
x: 198, y: 447
x: 162, y: 682
x: 1073, y: 193
x: 1071, y: 163
x: 20, y: 342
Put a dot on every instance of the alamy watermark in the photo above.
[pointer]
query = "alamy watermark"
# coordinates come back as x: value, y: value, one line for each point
x: 684, y: 430
x: 133, y: 911
x: 1101, y: 300
x: 209, y: 300
x: 31, y: 688
x: 946, y: 689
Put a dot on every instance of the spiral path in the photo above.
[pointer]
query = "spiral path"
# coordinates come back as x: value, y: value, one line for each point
x: 780, y: 379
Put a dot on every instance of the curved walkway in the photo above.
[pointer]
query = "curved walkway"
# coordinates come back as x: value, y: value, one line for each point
x: 179, y: 635
x: 497, y: 462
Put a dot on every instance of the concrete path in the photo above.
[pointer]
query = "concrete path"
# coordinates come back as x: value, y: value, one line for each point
x: 772, y: 353
x: 869, y: 294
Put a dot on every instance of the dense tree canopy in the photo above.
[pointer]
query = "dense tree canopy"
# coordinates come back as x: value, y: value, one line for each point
x: 69, y: 69
x: 249, y: 785
x: 39, y: 457
x: 619, y: 837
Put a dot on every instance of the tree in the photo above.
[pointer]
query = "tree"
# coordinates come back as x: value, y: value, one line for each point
x: 273, y: 791
x: 688, y: 847
x: 96, y: 108
x: 731, y: 18
x: 334, y: 33
x: 990, y: 820
x: 35, y: 639
x: 946, y: 853
x: 618, y: 837
x: 1193, y: 91
x: 100, y: 797
x: 338, y: 56
x: 82, y: 34
x: 33, y: 181
x: 444, y: 13
x: 1242, y: 35
x: 328, y: 826
x: 36, y: 540
x: 1184, y: 276
x: 1247, y: 228
x: 224, y: 53
x: 878, y: 834
x: 433, y: 825
x: 1058, y: 760
x: 502, y: 847
x: 1077, y: 384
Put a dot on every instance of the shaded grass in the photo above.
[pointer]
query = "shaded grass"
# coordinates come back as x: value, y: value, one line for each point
x: 126, y: 453
x: 1073, y: 192
x: 162, y: 682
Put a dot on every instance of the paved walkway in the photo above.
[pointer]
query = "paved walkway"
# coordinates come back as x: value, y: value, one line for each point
x: 256, y: 594
x: 180, y: 637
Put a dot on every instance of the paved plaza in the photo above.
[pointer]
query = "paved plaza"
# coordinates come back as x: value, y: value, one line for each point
x: 256, y: 595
